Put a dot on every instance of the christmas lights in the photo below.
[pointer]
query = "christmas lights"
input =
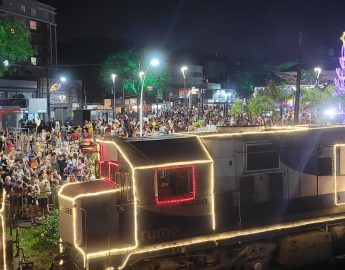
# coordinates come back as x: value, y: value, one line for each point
x: 335, y: 173
x: 340, y: 80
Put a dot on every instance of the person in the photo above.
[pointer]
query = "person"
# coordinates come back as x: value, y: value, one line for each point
x: 55, y: 180
x: 32, y: 191
x: 9, y: 146
x: 16, y: 199
x: 44, y: 187
x: 80, y: 166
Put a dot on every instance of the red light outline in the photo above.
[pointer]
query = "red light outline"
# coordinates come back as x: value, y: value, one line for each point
x: 178, y: 199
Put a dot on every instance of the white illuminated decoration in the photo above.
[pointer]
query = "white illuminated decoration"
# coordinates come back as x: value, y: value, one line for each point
x: 138, y: 248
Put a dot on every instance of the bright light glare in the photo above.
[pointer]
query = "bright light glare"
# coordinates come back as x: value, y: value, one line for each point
x: 154, y: 62
x: 6, y: 63
x: 330, y: 112
x: 113, y: 76
x: 183, y: 69
x: 317, y: 71
x: 63, y: 79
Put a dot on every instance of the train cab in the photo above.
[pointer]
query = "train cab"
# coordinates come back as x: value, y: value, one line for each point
x: 150, y: 190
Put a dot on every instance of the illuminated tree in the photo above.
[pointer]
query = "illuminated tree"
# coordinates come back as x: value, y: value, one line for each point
x: 237, y: 107
x: 127, y: 65
x: 279, y: 94
x: 260, y: 103
x: 14, y: 42
x: 340, y: 80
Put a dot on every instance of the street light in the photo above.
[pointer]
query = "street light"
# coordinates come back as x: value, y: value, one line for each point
x: 154, y: 62
x: 113, y: 77
x: 317, y: 71
x: 183, y: 70
x: 141, y: 75
x: 63, y: 79
x: 6, y: 63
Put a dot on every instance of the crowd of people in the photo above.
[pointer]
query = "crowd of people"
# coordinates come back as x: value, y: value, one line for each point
x: 33, y: 165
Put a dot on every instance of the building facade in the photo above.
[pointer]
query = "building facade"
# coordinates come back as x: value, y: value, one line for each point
x: 40, y: 20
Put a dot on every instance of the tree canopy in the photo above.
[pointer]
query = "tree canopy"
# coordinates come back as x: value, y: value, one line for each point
x: 14, y: 42
x: 259, y: 104
x: 127, y: 65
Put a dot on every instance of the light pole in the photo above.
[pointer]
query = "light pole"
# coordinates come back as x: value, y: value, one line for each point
x: 317, y: 71
x: 154, y: 62
x: 183, y: 70
x: 113, y: 77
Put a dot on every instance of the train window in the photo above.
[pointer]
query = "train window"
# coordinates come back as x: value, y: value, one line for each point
x: 263, y: 156
x: 325, y: 166
x: 126, y: 185
x: 174, y: 184
x: 103, y: 169
x: 113, y: 172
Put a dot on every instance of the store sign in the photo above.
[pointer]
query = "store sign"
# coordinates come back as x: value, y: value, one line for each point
x: 56, y: 87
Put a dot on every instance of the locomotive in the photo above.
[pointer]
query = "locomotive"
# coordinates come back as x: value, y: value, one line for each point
x: 239, y: 199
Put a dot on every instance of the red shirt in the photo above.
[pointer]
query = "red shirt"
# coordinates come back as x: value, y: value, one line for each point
x: 75, y: 136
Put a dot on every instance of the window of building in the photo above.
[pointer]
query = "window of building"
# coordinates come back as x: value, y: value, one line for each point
x: 174, y: 184
x: 33, y: 12
x: 33, y: 61
x: 33, y: 25
x: 261, y: 156
x: 22, y: 8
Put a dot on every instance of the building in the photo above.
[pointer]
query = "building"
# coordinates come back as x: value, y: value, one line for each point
x: 40, y: 20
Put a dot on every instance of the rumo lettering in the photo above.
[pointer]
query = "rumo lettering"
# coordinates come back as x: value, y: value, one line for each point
x: 159, y: 233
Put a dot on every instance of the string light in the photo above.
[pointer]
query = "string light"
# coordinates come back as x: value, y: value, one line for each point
x: 3, y: 228
x: 335, y: 173
x: 214, y: 237
x: 4, y: 254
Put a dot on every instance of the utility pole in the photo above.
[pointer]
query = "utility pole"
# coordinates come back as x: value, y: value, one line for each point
x: 298, y: 80
x: 48, y: 94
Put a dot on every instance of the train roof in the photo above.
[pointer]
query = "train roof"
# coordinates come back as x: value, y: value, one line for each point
x: 72, y: 191
x: 158, y: 150
x: 244, y: 131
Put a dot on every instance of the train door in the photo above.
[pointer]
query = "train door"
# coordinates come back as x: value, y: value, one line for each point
x: 122, y: 212
x: 126, y: 207
x: 339, y: 174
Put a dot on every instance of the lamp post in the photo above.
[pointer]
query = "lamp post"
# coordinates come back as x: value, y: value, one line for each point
x: 317, y: 71
x: 154, y: 62
x: 183, y: 70
x: 113, y: 77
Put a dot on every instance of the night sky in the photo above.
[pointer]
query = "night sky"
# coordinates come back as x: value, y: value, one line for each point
x: 262, y: 29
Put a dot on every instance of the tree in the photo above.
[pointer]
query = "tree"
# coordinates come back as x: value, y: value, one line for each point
x: 14, y: 42
x: 237, y: 107
x: 127, y: 65
x: 279, y: 94
x: 259, y: 104
x: 245, y: 84
x: 316, y: 98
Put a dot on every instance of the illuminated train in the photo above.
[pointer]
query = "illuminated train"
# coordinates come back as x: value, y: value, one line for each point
x: 207, y: 201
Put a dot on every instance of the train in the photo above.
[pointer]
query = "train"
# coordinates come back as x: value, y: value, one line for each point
x: 241, y: 198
